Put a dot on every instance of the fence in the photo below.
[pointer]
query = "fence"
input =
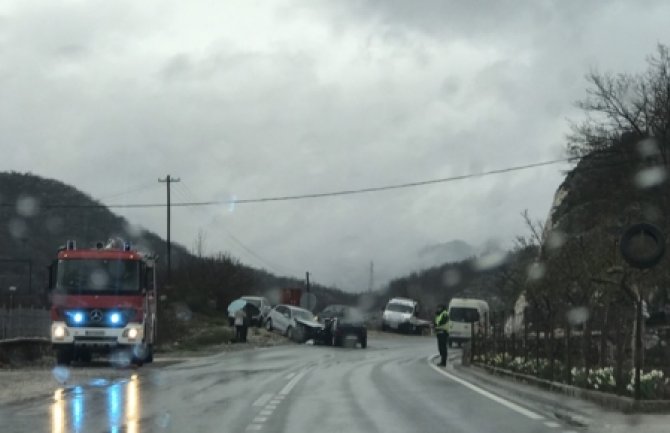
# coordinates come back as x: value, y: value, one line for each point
x: 588, y: 348
x: 24, y: 322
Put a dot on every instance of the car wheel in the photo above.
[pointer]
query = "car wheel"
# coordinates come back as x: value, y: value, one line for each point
x: 364, y: 342
x: 451, y: 343
x: 268, y: 325
x: 337, y: 341
x: 384, y: 327
x: 289, y: 332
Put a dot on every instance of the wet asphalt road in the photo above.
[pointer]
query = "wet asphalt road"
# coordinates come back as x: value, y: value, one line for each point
x: 389, y: 387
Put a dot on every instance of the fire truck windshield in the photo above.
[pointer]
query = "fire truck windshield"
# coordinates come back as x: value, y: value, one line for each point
x: 99, y: 276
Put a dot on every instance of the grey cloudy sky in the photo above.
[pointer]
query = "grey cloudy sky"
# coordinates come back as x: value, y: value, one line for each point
x: 246, y: 99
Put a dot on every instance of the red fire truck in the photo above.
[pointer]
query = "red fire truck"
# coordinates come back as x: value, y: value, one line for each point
x: 103, y: 300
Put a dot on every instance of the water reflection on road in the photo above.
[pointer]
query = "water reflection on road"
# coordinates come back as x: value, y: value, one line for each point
x: 122, y: 406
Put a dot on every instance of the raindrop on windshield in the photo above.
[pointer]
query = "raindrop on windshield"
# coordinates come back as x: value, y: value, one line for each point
x: 133, y: 230
x: 157, y: 378
x: 578, y: 315
x: 536, y: 271
x: 555, y: 240
x: 650, y: 177
x: 232, y: 201
x: 27, y: 206
x: 648, y: 148
x: 451, y: 277
x: 366, y: 302
x: 490, y: 260
x: 139, y: 351
x: 18, y: 228
x: 99, y: 279
x: 120, y: 359
x: 61, y: 374
x: 163, y: 420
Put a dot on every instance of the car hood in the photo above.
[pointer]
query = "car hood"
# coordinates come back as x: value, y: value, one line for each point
x: 309, y: 323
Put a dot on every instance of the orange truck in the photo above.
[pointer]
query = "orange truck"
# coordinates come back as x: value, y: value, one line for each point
x: 291, y: 296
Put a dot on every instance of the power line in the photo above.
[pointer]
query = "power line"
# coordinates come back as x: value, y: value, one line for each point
x: 142, y: 187
x: 320, y: 194
x: 252, y: 253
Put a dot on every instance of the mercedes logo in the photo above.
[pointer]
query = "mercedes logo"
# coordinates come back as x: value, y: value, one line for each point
x: 96, y: 315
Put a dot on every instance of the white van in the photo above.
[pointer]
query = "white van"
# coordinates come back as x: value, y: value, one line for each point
x: 463, y: 313
x: 401, y: 314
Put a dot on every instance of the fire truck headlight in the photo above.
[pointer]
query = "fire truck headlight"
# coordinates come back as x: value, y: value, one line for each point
x: 115, y: 318
x: 78, y: 317
x: 132, y: 333
x: 59, y: 331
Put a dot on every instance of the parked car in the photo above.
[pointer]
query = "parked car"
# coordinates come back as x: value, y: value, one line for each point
x: 401, y: 314
x: 296, y: 323
x: 342, y: 322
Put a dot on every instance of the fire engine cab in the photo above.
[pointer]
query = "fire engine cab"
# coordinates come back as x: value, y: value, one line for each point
x: 103, y: 301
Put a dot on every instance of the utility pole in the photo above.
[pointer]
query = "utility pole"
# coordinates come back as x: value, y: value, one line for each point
x: 167, y: 181
x: 372, y: 276
x: 307, y: 282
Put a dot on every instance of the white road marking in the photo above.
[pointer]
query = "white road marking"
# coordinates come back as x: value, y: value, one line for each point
x: 508, y: 404
x: 289, y: 386
x: 255, y: 427
x: 271, y: 407
x: 552, y: 424
x: 290, y: 376
x: 260, y: 419
x: 275, y: 401
x: 265, y: 413
x: 263, y: 399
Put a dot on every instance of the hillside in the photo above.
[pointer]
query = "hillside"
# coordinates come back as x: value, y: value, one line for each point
x: 41, y: 214
x: 606, y: 192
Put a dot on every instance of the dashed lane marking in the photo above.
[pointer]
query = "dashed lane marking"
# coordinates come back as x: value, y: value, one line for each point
x: 289, y: 386
x: 552, y: 424
x: 508, y: 404
x: 263, y: 399
x: 269, y: 401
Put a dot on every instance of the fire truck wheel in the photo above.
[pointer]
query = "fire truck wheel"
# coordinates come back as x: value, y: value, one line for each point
x: 150, y: 354
x: 64, y: 356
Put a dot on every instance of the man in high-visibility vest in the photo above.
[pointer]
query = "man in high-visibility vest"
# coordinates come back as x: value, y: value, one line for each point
x: 442, y: 331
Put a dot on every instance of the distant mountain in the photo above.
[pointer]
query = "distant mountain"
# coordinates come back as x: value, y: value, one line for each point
x: 447, y: 252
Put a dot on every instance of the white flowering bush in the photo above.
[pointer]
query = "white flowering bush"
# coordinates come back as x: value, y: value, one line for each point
x: 602, y: 379
x: 653, y: 384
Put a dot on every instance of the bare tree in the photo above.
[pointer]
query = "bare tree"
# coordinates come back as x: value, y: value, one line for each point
x: 623, y: 103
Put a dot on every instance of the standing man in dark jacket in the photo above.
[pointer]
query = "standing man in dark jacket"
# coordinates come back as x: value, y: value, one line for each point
x: 442, y: 331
